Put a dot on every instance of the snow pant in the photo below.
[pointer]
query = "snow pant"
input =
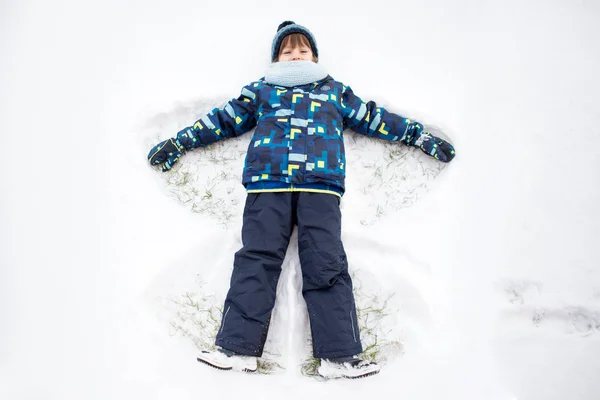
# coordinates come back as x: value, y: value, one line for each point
x: 269, y: 220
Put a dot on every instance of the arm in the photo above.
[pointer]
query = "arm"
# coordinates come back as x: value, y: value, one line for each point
x: 237, y: 117
x: 368, y: 119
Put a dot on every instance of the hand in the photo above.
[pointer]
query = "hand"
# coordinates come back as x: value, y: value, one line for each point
x: 167, y: 152
x: 436, y: 147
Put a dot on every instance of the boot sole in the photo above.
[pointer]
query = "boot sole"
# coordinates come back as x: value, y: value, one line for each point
x: 361, y: 376
x: 223, y: 368
x: 341, y: 374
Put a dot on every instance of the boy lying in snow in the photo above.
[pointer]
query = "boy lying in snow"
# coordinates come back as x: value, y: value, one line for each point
x: 294, y: 175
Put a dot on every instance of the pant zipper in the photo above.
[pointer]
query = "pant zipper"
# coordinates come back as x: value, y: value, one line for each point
x: 223, y: 323
x: 353, y: 332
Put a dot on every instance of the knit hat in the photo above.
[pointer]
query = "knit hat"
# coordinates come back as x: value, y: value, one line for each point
x: 287, y: 28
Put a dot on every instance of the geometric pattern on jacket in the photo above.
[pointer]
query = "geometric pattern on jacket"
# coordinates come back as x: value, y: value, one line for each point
x: 299, y: 131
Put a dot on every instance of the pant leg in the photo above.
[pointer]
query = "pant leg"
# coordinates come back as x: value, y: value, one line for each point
x: 266, y: 231
x: 327, y: 286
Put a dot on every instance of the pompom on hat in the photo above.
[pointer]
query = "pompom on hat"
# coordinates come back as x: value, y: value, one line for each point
x: 287, y: 28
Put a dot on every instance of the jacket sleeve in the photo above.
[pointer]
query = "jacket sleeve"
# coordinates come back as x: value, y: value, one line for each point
x: 237, y: 117
x: 371, y: 120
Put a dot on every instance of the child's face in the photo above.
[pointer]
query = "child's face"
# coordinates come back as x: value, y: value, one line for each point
x: 299, y: 53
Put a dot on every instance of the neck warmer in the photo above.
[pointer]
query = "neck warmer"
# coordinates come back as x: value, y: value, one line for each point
x: 294, y: 73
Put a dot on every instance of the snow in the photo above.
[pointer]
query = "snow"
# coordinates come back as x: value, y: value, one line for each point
x: 493, y: 264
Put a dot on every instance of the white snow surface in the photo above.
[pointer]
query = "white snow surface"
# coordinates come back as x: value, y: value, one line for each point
x: 489, y: 264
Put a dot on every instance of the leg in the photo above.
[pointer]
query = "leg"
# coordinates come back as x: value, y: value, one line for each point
x: 327, y: 287
x: 266, y: 232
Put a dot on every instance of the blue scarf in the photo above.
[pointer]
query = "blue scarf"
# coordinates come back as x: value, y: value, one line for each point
x: 294, y: 73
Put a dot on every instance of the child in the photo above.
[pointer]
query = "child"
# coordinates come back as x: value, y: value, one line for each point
x: 294, y: 175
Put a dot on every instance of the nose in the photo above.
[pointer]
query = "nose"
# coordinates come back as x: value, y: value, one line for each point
x: 296, y: 55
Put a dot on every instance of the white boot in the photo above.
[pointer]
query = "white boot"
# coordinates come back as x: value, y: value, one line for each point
x: 355, y: 368
x: 235, y: 362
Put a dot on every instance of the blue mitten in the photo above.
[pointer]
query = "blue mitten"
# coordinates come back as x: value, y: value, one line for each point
x: 431, y: 145
x: 436, y: 147
x: 167, y: 152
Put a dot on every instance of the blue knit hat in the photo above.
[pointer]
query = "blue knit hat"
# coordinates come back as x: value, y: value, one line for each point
x: 287, y: 28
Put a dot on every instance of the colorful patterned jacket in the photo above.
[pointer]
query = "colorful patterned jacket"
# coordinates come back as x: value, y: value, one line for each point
x: 298, y: 141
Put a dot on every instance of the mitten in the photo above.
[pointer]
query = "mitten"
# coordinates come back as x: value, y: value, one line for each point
x: 431, y: 145
x: 435, y: 147
x: 167, y: 152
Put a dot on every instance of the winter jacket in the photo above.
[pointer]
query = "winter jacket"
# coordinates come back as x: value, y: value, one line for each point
x: 298, y: 141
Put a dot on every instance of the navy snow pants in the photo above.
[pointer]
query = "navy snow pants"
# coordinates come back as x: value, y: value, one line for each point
x: 269, y: 220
